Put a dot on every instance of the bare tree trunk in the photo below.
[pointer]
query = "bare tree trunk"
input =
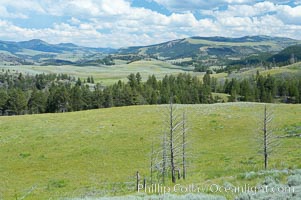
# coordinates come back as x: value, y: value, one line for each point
x: 152, y: 163
x: 173, y: 145
x: 179, y: 173
x: 184, y: 145
x: 164, y: 157
x: 265, y: 142
x: 171, y: 141
x: 137, y: 181
x: 269, y: 142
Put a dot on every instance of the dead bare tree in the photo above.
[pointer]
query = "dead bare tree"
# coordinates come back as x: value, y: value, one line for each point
x: 268, y: 141
x: 174, y: 123
x: 171, y: 158
x: 184, y: 131
x: 164, y: 157
x: 137, y: 180
x: 172, y: 129
x: 152, y: 163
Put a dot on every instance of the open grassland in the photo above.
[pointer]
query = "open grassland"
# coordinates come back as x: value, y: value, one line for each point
x: 105, y: 74
x: 293, y: 70
x: 111, y: 74
x: 97, y: 152
x: 217, y: 43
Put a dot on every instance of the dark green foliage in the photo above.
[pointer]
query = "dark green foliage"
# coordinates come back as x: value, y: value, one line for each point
x: 289, y: 55
x: 17, y: 101
x: 76, y: 97
x: 37, y: 102
x: 200, y: 68
x: 61, y: 93
x: 263, y: 89
x: 3, y: 100
x: 58, y: 99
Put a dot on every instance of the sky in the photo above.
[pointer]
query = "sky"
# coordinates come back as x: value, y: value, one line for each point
x: 123, y: 23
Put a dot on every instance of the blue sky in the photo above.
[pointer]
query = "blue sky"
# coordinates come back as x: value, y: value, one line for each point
x: 122, y: 23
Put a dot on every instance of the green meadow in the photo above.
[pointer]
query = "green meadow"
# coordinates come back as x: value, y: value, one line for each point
x: 293, y: 70
x: 105, y: 74
x: 97, y: 152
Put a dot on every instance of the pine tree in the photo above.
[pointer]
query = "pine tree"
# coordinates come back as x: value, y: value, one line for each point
x: 138, y: 78
x: 3, y: 100
x: 78, y: 82
x: 37, y: 102
x: 76, y: 98
x: 132, y: 80
x: 17, y: 101
x: 108, y: 98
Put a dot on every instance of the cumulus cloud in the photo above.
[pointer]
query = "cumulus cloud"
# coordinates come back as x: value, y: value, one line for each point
x: 24, y: 5
x: 198, y: 4
x: 5, y: 14
x: 116, y: 23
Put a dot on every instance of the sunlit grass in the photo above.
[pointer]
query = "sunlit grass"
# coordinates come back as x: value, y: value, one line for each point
x: 82, y: 153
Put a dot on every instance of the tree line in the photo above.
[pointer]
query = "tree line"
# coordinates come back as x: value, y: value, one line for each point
x: 261, y: 88
x: 44, y: 93
x: 47, y: 93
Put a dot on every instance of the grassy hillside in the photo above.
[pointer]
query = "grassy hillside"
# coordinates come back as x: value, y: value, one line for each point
x: 293, y: 70
x: 213, y: 46
x: 111, y: 74
x: 105, y: 74
x: 97, y: 152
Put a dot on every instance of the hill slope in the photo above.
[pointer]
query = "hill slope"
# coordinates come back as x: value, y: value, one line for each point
x: 213, y: 46
x: 94, y: 153
x: 38, y: 51
x: 289, y: 55
x: 212, y: 50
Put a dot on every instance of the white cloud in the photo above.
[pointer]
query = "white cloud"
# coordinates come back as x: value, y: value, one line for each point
x: 5, y: 14
x: 24, y: 5
x: 290, y: 15
x: 115, y: 23
x: 177, y: 5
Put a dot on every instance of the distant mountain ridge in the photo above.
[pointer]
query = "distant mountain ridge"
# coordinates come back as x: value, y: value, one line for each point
x: 213, y: 46
x: 38, y: 51
x: 206, y: 50
x: 40, y: 45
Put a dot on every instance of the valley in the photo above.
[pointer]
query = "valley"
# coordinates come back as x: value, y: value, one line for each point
x: 73, y: 150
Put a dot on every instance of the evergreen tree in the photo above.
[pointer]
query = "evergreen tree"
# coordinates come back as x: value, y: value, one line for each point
x: 37, y: 102
x: 108, y: 97
x: 87, y: 97
x: 246, y: 91
x: 138, y: 78
x: 78, y: 82
x: 3, y: 100
x: 17, y: 101
x: 132, y: 81
x: 207, y: 79
x: 76, y: 98
x: 98, y: 97
x: 58, y: 99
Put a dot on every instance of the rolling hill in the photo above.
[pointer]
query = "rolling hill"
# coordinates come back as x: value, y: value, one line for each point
x: 41, y: 46
x: 96, y: 153
x: 38, y: 51
x: 207, y: 50
x: 289, y: 55
x: 213, y: 47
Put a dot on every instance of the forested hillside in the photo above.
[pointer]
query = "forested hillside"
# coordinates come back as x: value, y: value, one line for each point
x: 62, y: 93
